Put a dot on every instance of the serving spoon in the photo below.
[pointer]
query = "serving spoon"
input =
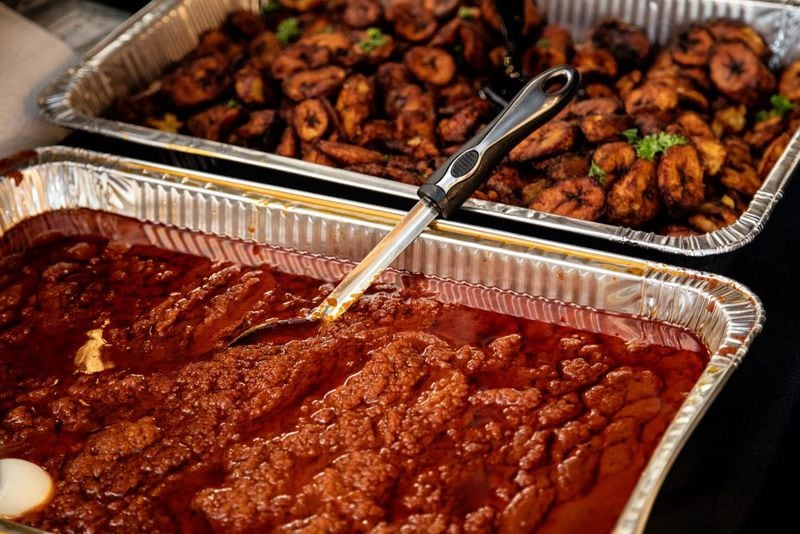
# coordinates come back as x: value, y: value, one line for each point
x: 448, y: 187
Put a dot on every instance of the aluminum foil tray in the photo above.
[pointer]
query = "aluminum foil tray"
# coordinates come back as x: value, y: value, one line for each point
x: 724, y: 314
x: 163, y: 32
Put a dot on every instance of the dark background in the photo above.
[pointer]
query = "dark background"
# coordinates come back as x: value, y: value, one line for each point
x: 739, y: 470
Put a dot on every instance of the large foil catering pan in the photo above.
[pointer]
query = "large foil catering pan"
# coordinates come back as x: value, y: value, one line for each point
x: 162, y: 33
x: 724, y: 314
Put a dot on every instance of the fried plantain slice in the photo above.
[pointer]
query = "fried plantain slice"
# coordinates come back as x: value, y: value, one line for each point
x: 680, y: 179
x: 430, y: 65
x: 553, y: 138
x: 310, y: 119
x: 313, y: 83
x: 633, y: 199
x: 579, y: 198
x: 355, y: 104
x: 361, y: 14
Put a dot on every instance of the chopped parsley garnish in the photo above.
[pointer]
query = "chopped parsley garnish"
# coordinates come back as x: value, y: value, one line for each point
x: 597, y: 172
x: 468, y: 13
x: 649, y: 146
x: 631, y: 135
x: 780, y: 107
x: 288, y: 30
x: 232, y: 103
x: 544, y: 42
x: 374, y: 40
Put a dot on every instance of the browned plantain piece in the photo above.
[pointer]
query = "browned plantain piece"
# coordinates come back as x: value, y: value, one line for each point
x: 599, y: 90
x: 243, y: 24
x: 298, y: 58
x: 729, y: 120
x: 416, y: 114
x: 579, y: 198
x: 440, y: 8
x: 731, y: 30
x: 693, y: 47
x: 313, y: 83
x: 213, y: 42
x: 738, y: 72
x: 249, y: 85
x: 763, y: 132
x: 564, y: 167
x: 312, y: 154
x: 680, y: 179
x: 338, y: 44
x: 627, y: 83
x: 629, y: 44
x: 264, y: 49
x: 739, y: 173
x: 504, y: 185
x: 301, y: 5
x: 790, y: 82
x: 595, y: 106
x: 633, y: 199
x: 531, y: 191
x: 430, y: 65
x: 677, y: 230
x: 456, y: 91
x: 288, y: 144
x: 551, y: 139
x: 473, y: 45
x: 553, y: 48
x: 214, y: 122
x: 376, y: 132
x: 652, y: 96
x: 350, y: 154
x: 712, y: 151
x: 600, y: 128
x: 310, y: 120
x: 772, y: 154
x: 594, y: 62
x: 362, y: 13
x: 411, y: 20
x: 711, y: 216
x: 355, y: 104
x: 199, y: 81
x: 614, y: 159
x: 260, y: 131
x: 464, y: 122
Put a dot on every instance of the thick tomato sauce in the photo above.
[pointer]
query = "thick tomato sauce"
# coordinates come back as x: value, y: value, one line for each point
x: 406, y: 412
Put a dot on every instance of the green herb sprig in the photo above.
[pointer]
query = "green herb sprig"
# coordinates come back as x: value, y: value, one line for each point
x: 780, y: 107
x: 596, y: 171
x: 374, y: 40
x: 468, y: 13
x: 288, y: 30
x: 649, y: 146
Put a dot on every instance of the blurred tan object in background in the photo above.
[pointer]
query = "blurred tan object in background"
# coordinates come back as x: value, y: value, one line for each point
x: 30, y: 58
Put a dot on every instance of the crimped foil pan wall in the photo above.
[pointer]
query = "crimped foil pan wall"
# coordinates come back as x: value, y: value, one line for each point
x: 163, y: 32
x: 723, y: 313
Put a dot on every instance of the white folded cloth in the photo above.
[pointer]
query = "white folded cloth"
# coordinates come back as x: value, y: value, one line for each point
x: 30, y: 58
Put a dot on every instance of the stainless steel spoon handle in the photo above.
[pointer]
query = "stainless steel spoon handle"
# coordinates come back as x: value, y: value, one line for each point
x: 459, y: 177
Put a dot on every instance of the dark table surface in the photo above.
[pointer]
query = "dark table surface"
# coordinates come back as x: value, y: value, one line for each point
x: 739, y: 470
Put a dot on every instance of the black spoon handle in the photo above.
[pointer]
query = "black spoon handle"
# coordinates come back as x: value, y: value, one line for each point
x: 452, y: 183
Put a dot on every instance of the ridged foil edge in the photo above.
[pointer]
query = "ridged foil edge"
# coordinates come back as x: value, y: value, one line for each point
x: 725, y: 314
x: 127, y: 59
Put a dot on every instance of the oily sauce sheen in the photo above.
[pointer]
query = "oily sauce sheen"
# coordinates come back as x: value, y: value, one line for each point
x: 406, y: 412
